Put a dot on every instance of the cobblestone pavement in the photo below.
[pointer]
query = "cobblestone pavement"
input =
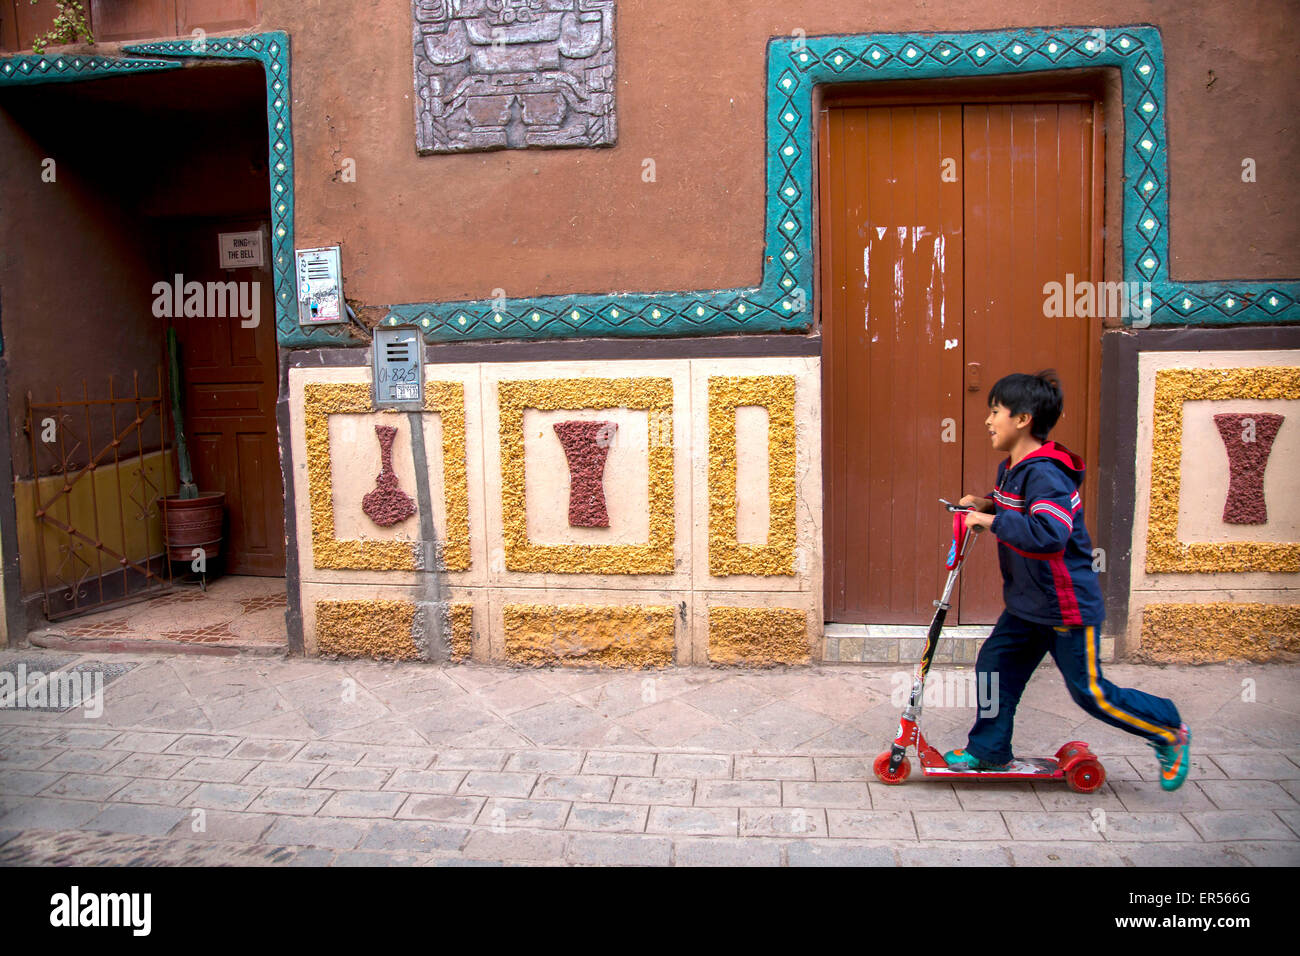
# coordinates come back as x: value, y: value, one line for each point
x: 299, y: 762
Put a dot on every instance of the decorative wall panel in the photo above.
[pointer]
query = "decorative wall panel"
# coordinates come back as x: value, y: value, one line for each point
x: 654, y: 395
x: 323, y: 400
x: 1173, y: 388
x: 510, y: 74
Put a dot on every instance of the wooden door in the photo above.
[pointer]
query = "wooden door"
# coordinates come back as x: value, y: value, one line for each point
x: 231, y: 380
x: 1028, y: 221
x: 940, y: 224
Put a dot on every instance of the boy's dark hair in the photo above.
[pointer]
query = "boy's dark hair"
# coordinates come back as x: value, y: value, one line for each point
x: 1038, y: 395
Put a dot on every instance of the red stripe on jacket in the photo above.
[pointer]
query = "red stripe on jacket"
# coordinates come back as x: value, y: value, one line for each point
x: 1065, y: 596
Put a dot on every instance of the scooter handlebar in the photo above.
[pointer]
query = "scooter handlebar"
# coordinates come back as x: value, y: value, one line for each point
x: 961, y: 509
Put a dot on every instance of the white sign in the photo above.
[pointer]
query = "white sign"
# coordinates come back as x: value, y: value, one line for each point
x: 240, y: 250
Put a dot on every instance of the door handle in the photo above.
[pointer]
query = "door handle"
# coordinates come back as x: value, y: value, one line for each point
x: 973, y: 376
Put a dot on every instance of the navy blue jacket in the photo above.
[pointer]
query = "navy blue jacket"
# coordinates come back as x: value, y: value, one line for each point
x: 1043, y: 548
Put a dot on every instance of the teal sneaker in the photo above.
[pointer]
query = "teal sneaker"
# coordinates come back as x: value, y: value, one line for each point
x: 1174, y: 759
x: 961, y: 760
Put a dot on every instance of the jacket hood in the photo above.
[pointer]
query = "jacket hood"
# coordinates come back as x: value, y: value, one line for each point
x: 1058, y: 455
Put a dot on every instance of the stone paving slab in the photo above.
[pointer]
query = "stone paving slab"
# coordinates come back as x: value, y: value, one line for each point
x: 141, y: 820
x: 607, y: 817
x: 436, y: 766
x: 1026, y: 853
x: 436, y: 807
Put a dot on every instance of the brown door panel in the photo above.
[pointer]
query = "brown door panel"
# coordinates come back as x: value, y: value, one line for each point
x: 1028, y: 174
x: 892, y: 333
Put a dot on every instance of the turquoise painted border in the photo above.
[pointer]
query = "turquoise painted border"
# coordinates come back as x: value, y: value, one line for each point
x: 783, y: 301
x: 795, y: 66
x: 70, y: 67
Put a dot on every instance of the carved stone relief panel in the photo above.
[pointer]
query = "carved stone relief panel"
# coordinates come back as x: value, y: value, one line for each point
x: 510, y: 74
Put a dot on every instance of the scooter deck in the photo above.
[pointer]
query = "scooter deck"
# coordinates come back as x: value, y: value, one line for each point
x: 1021, y: 767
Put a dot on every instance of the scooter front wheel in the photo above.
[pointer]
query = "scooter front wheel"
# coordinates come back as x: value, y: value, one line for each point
x: 1086, y: 776
x: 881, y: 767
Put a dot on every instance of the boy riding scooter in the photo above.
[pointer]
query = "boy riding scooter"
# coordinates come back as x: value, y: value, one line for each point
x: 1053, y: 602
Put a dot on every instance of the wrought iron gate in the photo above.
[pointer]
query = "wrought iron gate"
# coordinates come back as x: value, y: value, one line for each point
x: 106, y: 534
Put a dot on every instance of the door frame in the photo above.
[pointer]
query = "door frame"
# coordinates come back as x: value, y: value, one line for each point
x: 1061, y: 86
x: 270, y: 50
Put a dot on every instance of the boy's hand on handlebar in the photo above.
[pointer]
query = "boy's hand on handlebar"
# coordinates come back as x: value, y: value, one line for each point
x: 976, y: 502
x: 975, y: 519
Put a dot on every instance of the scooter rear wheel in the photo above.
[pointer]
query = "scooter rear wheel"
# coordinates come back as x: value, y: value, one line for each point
x: 881, y: 767
x: 1086, y: 776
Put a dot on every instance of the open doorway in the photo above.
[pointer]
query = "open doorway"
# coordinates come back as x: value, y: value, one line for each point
x: 117, y: 187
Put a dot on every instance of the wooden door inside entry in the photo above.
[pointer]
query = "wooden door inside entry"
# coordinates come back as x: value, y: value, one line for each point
x: 231, y: 382
x: 941, y: 224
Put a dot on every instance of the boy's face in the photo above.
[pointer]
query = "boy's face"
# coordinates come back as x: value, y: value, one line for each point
x: 1005, y: 428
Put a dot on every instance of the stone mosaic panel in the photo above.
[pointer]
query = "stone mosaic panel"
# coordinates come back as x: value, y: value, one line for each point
x: 388, y: 504
x: 726, y: 554
x: 1175, y: 387
x: 586, y: 446
x: 324, y: 399
x: 513, y: 74
x: 653, y: 394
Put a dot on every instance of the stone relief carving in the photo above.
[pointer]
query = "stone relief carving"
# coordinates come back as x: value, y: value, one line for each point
x: 510, y: 74
x: 586, y: 446
x: 1249, y: 440
x: 387, y: 504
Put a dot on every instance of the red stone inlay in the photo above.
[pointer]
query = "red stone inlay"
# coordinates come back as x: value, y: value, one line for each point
x: 387, y: 504
x: 1249, y: 440
x: 586, y: 446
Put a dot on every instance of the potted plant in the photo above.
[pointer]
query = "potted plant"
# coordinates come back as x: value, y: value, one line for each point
x: 191, y: 519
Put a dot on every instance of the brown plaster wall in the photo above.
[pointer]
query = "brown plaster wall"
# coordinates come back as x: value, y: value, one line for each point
x: 691, y: 96
x: 76, y: 293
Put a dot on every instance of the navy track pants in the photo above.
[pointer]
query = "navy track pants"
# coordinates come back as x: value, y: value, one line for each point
x: 1016, y: 647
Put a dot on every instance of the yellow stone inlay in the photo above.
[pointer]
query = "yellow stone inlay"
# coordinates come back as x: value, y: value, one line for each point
x: 384, y: 630
x: 726, y: 554
x: 462, y: 629
x: 1174, y: 387
x: 758, y: 636
x: 377, y: 629
x: 655, y: 395
x: 1202, y: 633
x: 322, y: 400
x: 584, y: 635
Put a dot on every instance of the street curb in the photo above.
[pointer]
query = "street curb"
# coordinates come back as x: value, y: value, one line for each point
x: 59, y: 642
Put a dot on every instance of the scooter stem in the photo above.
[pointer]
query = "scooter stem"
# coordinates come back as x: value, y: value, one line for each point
x: 912, y: 714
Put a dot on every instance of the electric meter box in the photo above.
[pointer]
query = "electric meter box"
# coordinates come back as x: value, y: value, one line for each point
x: 399, y: 368
x: 320, y: 287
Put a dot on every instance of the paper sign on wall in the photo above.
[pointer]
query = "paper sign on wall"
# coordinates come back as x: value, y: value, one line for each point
x: 240, y: 250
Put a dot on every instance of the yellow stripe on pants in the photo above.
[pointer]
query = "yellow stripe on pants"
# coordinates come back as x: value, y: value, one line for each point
x: 1110, y: 708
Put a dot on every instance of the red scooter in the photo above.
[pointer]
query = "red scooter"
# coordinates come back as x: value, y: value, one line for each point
x: 1074, y: 762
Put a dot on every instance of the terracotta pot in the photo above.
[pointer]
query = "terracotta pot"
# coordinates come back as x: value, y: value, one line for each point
x: 190, y: 523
